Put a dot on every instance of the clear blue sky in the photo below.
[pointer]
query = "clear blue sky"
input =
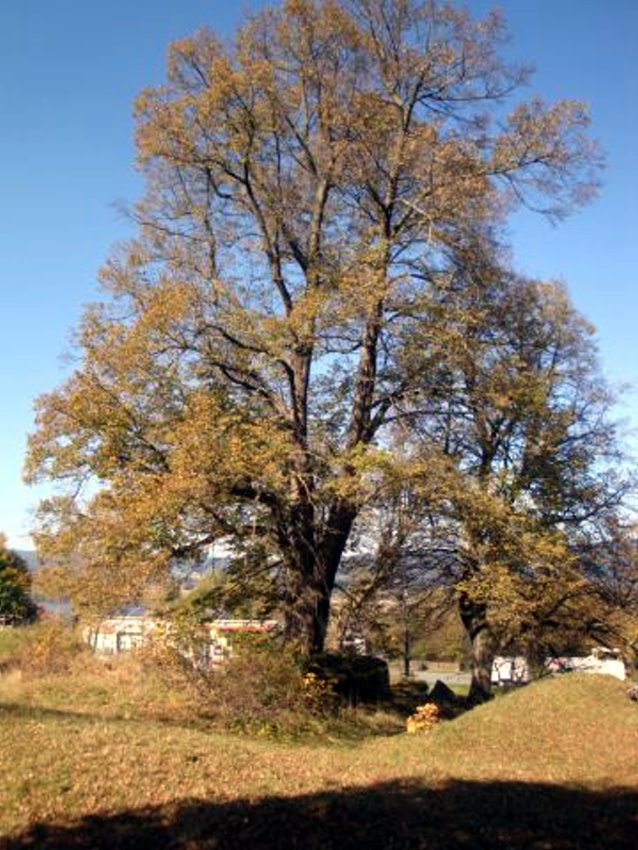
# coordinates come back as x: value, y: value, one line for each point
x: 69, y: 71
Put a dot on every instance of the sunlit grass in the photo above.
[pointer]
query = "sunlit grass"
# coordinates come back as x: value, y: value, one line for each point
x: 112, y: 739
x: 105, y: 739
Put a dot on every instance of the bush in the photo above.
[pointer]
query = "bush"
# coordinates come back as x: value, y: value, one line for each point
x: 46, y: 648
x: 262, y: 688
x: 424, y: 718
x: 265, y: 686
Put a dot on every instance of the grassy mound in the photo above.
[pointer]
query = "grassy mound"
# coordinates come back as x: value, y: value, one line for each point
x: 576, y: 728
x: 551, y: 765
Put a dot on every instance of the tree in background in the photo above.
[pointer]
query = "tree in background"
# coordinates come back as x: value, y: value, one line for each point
x: 15, y: 583
x: 518, y: 409
x: 310, y: 192
x: 389, y: 592
x: 609, y: 560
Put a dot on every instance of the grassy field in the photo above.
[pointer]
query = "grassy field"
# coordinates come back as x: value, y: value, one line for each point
x: 101, y: 759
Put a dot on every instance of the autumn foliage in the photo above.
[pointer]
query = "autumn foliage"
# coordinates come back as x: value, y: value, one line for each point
x: 315, y: 316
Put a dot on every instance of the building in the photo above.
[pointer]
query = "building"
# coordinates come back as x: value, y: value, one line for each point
x: 514, y: 670
x: 122, y: 634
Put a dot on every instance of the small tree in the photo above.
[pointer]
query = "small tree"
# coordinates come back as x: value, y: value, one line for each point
x: 15, y: 583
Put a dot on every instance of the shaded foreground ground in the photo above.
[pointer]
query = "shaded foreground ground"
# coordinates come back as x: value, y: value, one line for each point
x: 391, y: 815
x: 554, y: 765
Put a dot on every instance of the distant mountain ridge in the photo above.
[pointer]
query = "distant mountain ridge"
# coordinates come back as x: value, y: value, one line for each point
x: 187, y: 573
x: 30, y: 557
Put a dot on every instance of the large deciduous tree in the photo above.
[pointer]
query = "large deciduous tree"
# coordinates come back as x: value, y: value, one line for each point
x: 310, y: 190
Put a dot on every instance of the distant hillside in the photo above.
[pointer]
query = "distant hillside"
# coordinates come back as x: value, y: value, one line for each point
x: 30, y: 557
x: 54, y: 606
x: 186, y: 572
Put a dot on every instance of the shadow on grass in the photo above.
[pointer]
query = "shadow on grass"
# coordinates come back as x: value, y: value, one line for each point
x: 41, y: 712
x: 390, y: 816
x: 38, y: 712
x: 406, y: 695
x: 347, y: 729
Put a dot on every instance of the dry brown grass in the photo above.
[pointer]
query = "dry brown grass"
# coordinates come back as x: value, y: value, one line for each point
x: 106, y: 759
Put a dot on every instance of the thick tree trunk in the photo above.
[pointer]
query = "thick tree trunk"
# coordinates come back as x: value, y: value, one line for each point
x: 307, y: 615
x: 302, y: 610
x: 314, y: 572
x: 474, y: 617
